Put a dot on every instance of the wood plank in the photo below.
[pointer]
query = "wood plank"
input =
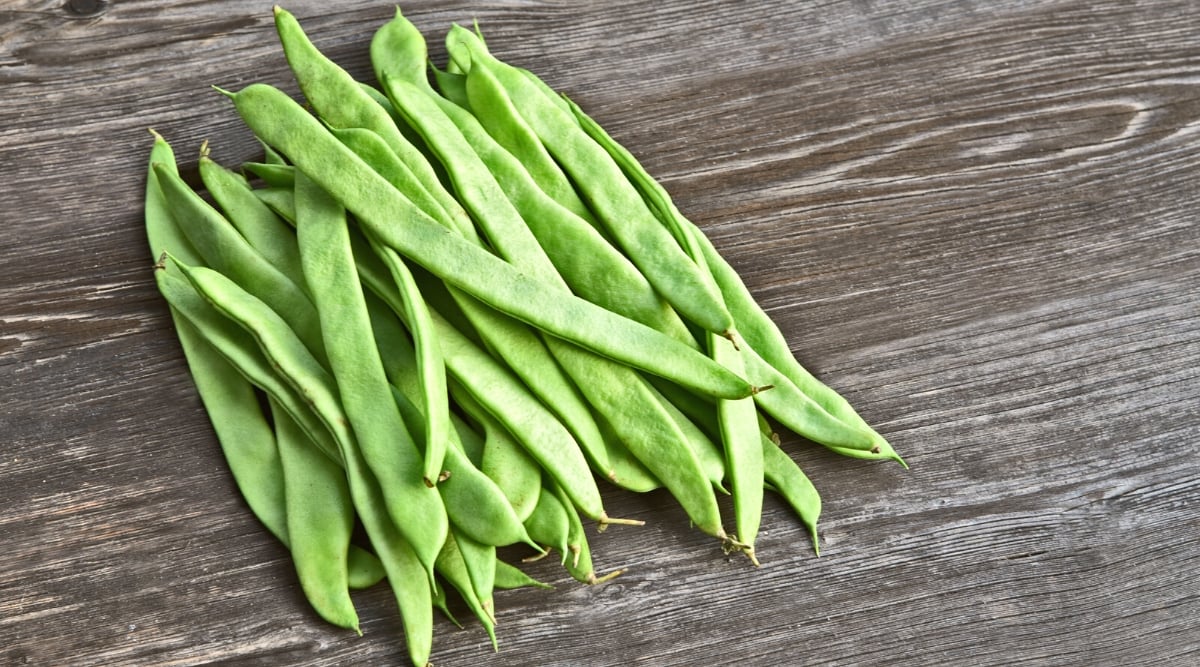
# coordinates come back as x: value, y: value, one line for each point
x: 976, y: 220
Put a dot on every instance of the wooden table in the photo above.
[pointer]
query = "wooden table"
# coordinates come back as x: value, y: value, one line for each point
x: 979, y: 221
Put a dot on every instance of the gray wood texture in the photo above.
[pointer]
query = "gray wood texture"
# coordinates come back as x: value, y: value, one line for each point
x: 977, y: 220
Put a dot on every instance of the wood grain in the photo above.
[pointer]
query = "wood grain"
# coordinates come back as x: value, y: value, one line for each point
x: 977, y: 220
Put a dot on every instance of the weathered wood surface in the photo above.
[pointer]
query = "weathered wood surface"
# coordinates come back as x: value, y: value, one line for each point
x: 978, y: 220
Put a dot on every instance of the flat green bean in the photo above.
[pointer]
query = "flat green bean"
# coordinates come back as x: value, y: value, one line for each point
x: 453, y: 568
x: 281, y: 122
x: 320, y: 519
x: 341, y: 102
x: 222, y: 248
x: 428, y: 365
x: 787, y: 479
x: 509, y: 576
x: 609, y: 195
x: 375, y: 151
x: 480, y: 561
x: 386, y: 445
x: 270, y: 156
x: 216, y: 346
x: 764, y: 337
x: 738, y: 420
x: 273, y: 175
x: 708, y: 454
x: 579, y: 562
x: 548, y: 524
x: 500, y: 118
x: 256, y: 222
x: 586, y: 261
x: 500, y: 392
x: 509, y: 466
x: 629, y: 473
x: 280, y: 200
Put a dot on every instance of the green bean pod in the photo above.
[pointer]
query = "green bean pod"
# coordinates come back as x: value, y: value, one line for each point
x: 341, y: 101
x: 495, y: 387
x: 225, y: 250
x: 533, y: 359
x: 280, y: 200
x: 509, y: 576
x: 764, y: 337
x: 281, y: 122
x: 788, y: 480
x: 452, y: 86
x: 453, y: 568
x: 478, y: 507
x: 406, y: 574
x: 273, y: 175
x: 548, y: 524
x: 386, y: 445
x: 738, y: 420
x: 256, y: 222
x: 585, y: 260
x: 428, y: 366
x: 802, y: 403
x: 480, y: 561
x: 708, y: 453
x: 320, y: 518
x: 270, y: 156
x: 629, y: 473
x: 579, y: 558
x: 398, y: 51
x: 214, y: 343
x: 375, y: 151
x: 648, y: 430
x: 472, y: 442
x: 609, y: 195
x: 497, y: 113
x: 509, y: 466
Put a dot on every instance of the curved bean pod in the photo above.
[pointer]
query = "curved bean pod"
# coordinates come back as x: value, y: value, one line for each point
x: 629, y: 473
x: 495, y: 387
x: 320, y: 518
x: 787, y: 479
x: 427, y: 365
x: 609, y: 195
x: 585, y: 260
x: 807, y: 406
x: 274, y: 175
x: 738, y: 420
x: 216, y: 343
x: 453, y: 568
x: 507, y: 463
x: 548, y: 524
x: 225, y: 250
x: 280, y: 200
x: 341, y: 101
x: 256, y: 222
x: 480, y: 561
x: 764, y: 337
x: 386, y: 445
x: 646, y: 428
x: 374, y: 151
x: 281, y: 122
x: 241, y: 350
x: 579, y: 561
x: 509, y: 576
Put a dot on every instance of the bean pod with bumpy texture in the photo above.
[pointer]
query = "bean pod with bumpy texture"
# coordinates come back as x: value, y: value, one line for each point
x: 362, y: 387
x: 320, y: 518
x: 608, y: 194
x: 281, y: 122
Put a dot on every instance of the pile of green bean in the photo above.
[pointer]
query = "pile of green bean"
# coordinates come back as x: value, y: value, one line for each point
x: 442, y: 307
